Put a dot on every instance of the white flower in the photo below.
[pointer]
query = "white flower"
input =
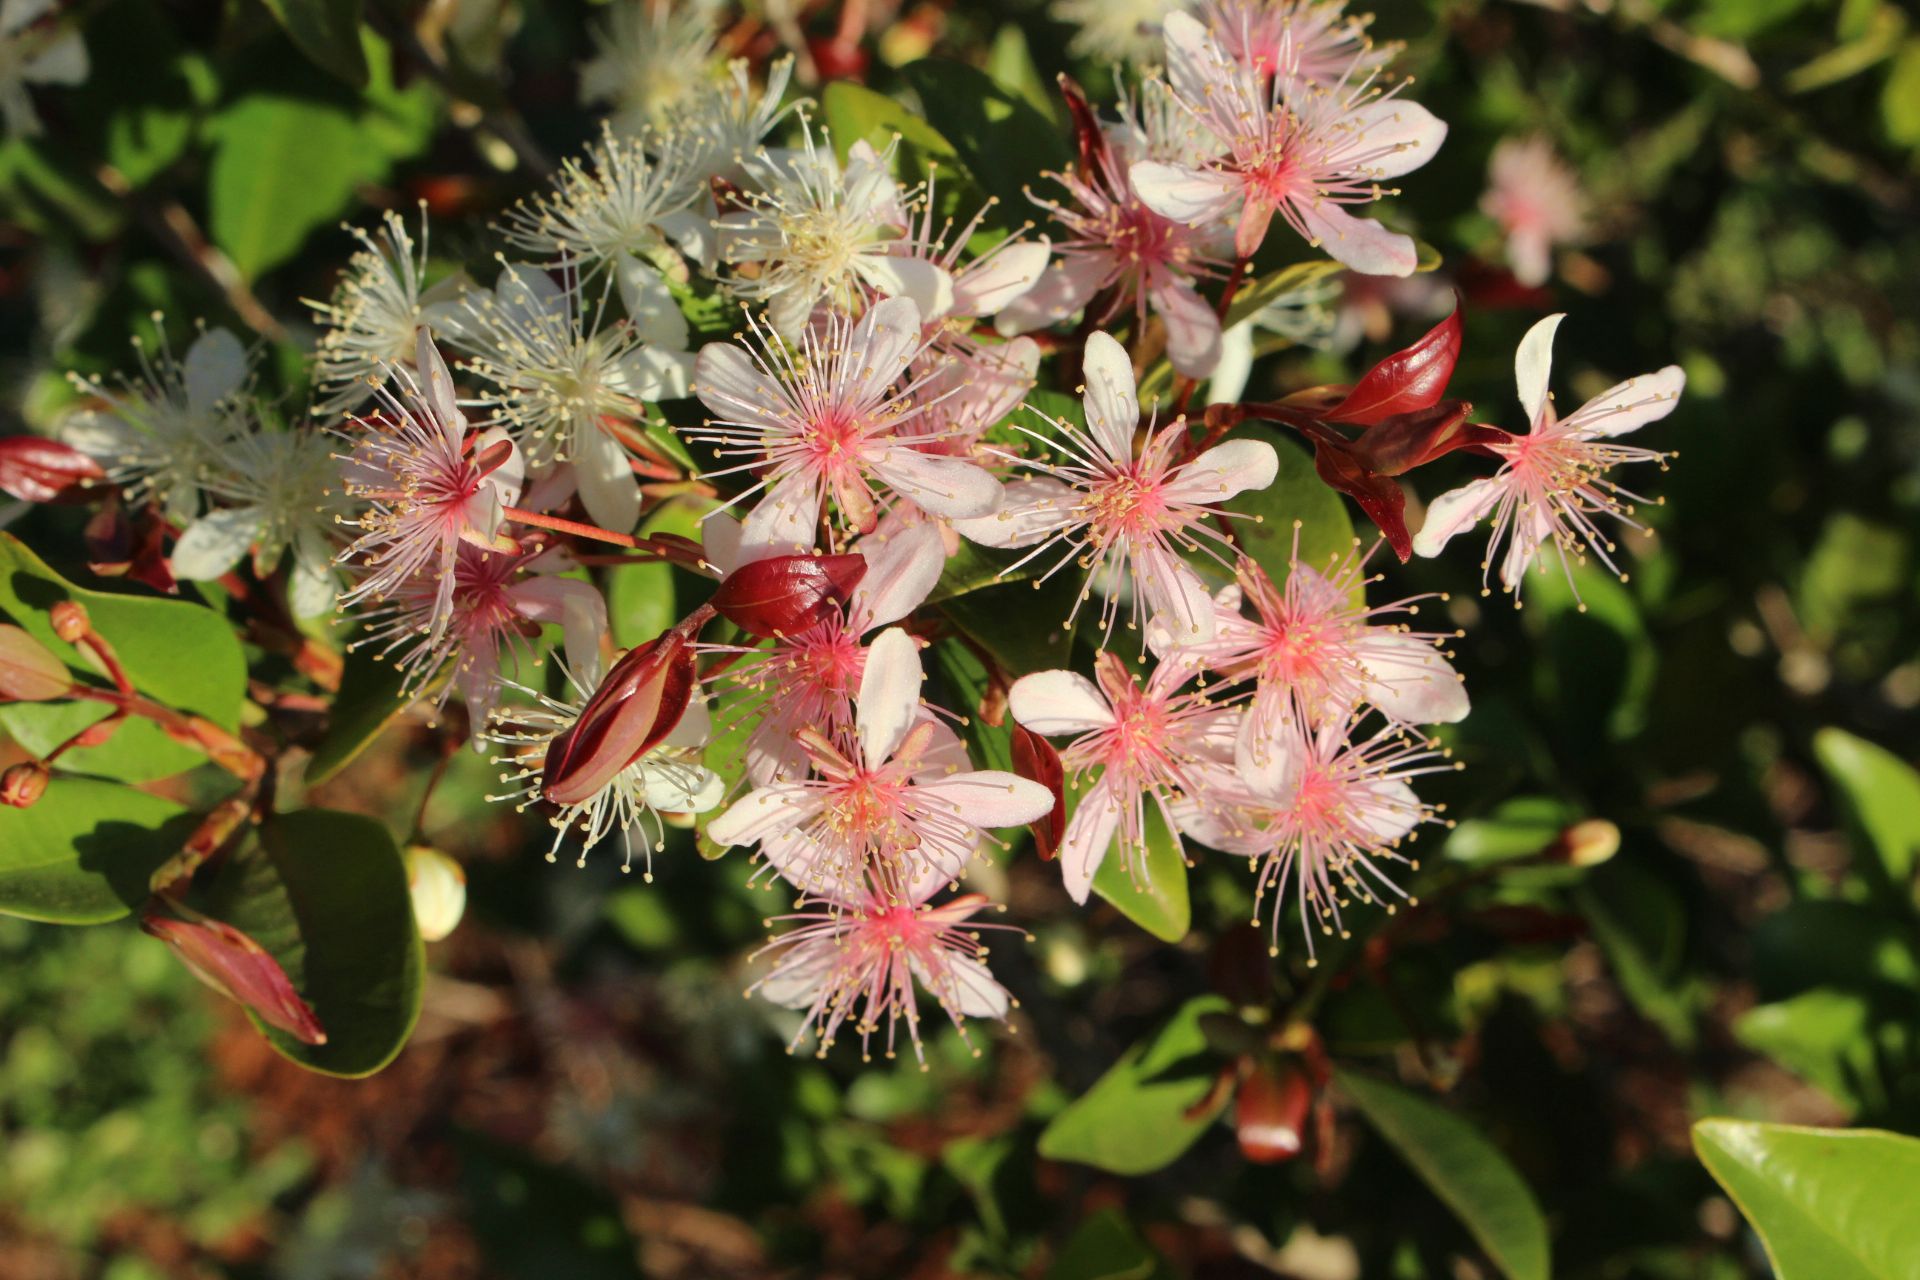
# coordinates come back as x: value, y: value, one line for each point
x: 1537, y: 201
x: 614, y: 206
x: 820, y: 233
x: 1553, y: 477
x: 277, y: 488
x: 724, y: 124
x: 651, y: 58
x: 1113, y: 30
x: 34, y: 52
x: 556, y: 372
x: 376, y: 309
x: 160, y: 435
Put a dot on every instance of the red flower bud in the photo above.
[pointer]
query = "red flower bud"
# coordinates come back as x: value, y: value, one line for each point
x: 783, y: 595
x: 70, y: 620
x: 35, y: 469
x: 1035, y: 759
x: 1410, y: 379
x: 1270, y: 1112
x: 639, y: 703
x: 28, y: 672
x: 239, y: 968
x: 23, y: 784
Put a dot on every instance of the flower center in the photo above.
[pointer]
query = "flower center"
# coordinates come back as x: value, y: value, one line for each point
x: 1125, y: 506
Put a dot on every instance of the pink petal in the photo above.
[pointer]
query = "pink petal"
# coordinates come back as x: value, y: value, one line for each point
x: 1532, y: 528
x: 1195, y: 62
x: 1113, y: 406
x: 1064, y: 288
x: 1181, y: 193
x: 1089, y: 835
x: 1176, y: 595
x: 801, y: 975
x: 766, y: 812
x: 990, y: 798
x: 1193, y: 330
x: 1391, y: 810
x: 1359, y: 243
x: 950, y: 487
x: 885, y: 339
x: 889, y: 699
x: 901, y: 571
x: 1412, y: 681
x: 1632, y: 404
x: 1533, y: 365
x: 1394, y: 122
x: 1035, y: 507
x: 1230, y: 467
x: 1456, y: 511
x: 969, y: 988
x: 728, y: 382
x: 1052, y: 703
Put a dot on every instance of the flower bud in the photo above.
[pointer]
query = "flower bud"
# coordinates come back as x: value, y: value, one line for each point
x: 24, y: 783
x: 439, y: 888
x: 1036, y: 759
x: 239, y: 968
x: 783, y: 595
x: 1585, y: 844
x: 35, y: 469
x: 70, y: 620
x: 28, y: 672
x: 639, y: 703
x: 1270, y: 1112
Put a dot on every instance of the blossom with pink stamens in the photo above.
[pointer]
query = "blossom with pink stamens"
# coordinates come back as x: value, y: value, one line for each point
x: 429, y: 488
x: 901, y: 806
x: 1552, y: 482
x: 1316, y: 41
x: 1537, y: 201
x: 858, y: 958
x: 1304, y: 152
x: 1328, y: 811
x: 1315, y: 649
x: 1119, y: 245
x: 826, y: 419
x: 1128, y: 515
x: 1148, y: 743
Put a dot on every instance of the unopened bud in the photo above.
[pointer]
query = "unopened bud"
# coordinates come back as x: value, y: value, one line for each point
x: 24, y: 783
x: 782, y: 595
x: 439, y: 888
x: 1035, y: 759
x: 239, y: 968
x: 70, y: 620
x: 1270, y: 1112
x: 1586, y: 844
x: 637, y: 705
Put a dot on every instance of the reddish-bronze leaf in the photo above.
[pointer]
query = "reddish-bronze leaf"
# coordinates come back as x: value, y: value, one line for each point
x: 1396, y: 445
x: 1409, y: 379
x: 239, y: 968
x: 1035, y: 759
x: 783, y: 595
x: 637, y: 705
x: 29, y: 671
x: 1087, y: 132
x: 1377, y: 495
x: 35, y: 469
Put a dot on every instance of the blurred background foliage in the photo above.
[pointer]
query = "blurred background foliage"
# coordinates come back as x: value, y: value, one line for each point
x: 588, y: 1095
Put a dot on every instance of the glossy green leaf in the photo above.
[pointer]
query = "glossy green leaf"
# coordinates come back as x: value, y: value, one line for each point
x: 1004, y: 141
x: 1828, y: 1204
x: 1861, y: 1048
x: 1517, y: 828
x: 1829, y: 943
x: 1466, y: 1171
x: 855, y: 113
x: 328, y: 32
x: 640, y: 597
x: 326, y: 894
x: 1270, y: 288
x: 1159, y: 903
x: 83, y: 854
x: 1900, y: 96
x: 1010, y: 63
x: 1880, y: 795
x: 1106, y: 1247
x: 368, y: 701
x: 150, y: 635
x: 1022, y: 626
x: 1141, y: 1115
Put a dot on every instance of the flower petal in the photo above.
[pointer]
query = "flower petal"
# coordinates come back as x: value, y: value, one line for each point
x: 1181, y: 193
x: 1631, y: 404
x: 1176, y: 595
x: 1456, y: 511
x: 766, y: 812
x: 1034, y: 508
x: 926, y: 284
x: 989, y: 798
x: 783, y: 521
x: 901, y: 571
x: 1359, y: 243
x: 984, y: 287
x: 215, y: 542
x: 1064, y: 288
x: 951, y: 487
x: 1230, y: 467
x: 885, y: 339
x: 1533, y: 365
x: 215, y: 366
x: 1413, y: 132
x: 1412, y: 681
x: 1112, y: 403
x: 1052, y: 703
x: 889, y: 698
x: 1193, y: 330
x: 729, y: 382
x: 608, y: 488
x: 1089, y: 836
x: 650, y: 305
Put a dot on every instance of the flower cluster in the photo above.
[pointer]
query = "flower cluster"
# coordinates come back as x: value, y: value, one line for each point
x: 720, y: 306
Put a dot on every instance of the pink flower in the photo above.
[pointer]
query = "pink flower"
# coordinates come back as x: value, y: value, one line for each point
x: 1327, y: 813
x: 1537, y: 201
x: 860, y: 957
x: 1302, y: 151
x: 429, y: 487
x: 811, y: 676
x: 1315, y: 41
x: 1133, y: 515
x: 1315, y: 653
x: 1552, y: 482
x: 903, y: 805
x: 826, y: 420
x: 1117, y: 243
x: 1148, y: 743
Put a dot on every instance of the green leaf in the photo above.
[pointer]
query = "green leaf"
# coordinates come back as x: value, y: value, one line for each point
x: 1641, y: 925
x: 1828, y: 1204
x: 1106, y: 1247
x: 1465, y: 1170
x: 82, y: 855
x: 966, y: 679
x: 328, y: 32
x: 1160, y: 903
x: 1600, y: 664
x: 1860, y: 1048
x: 1269, y: 289
x: 1880, y: 795
x: 151, y: 636
x: 326, y: 894
x: 1140, y: 1116
x: 737, y: 708
x: 369, y: 700
x: 1010, y: 63
x: 1900, y: 98
x: 282, y: 168
x: 1004, y: 141
x: 1517, y: 828
x: 1023, y: 627
x: 536, y: 1221
x: 1297, y: 493
x: 855, y: 113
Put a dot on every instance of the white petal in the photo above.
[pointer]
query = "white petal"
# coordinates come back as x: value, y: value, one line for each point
x: 681, y: 788
x: 1176, y: 595
x: 1229, y: 380
x: 608, y: 488
x: 98, y: 435
x: 436, y: 383
x: 1181, y: 193
x: 576, y: 606
x: 1053, y: 703
x: 765, y: 812
x: 1392, y: 809
x: 927, y: 285
x: 653, y: 373
x: 62, y: 62
x: 215, y: 366
x: 1533, y: 365
x: 901, y: 571
x: 1230, y: 467
x: 1035, y: 507
x: 312, y: 588
x: 969, y: 988
x: 985, y: 287
x: 650, y: 305
x: 1194, y: 58
x: 951, y: 487
x: 1454, y: 512
x: 1359, y: 243
x: 1065, y: 287
x: 215, y: 542
x: 1112, y: 403
x: 1089, y: 836
x: 989, y: 798
x: 783, y: 521
x: 1193, y: 330
x: 1412, y: 681
x: 801, y: 975
x: 886, y: 338
x: 1394, y: 122
x: 1632, y: 404
x: 889, y: 698
x: 728, y: 382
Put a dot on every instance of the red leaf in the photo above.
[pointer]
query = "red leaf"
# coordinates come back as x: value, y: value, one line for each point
x: 1035, y: 759
x: 35, y: 469
x: 1086, y: 129
x: 783, y: 595
x: 29, y: 672
x: 1270, y: 1112
x: 1396, y: 445
x: 1378, y: 496
x: 1414, y: 378
x: 239, y: 968
x: 639, y: 703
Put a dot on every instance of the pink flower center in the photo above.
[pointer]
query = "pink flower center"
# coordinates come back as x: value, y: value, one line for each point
x: 827, y: 661
x: 1127, y: 505
x: 864, y: 810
